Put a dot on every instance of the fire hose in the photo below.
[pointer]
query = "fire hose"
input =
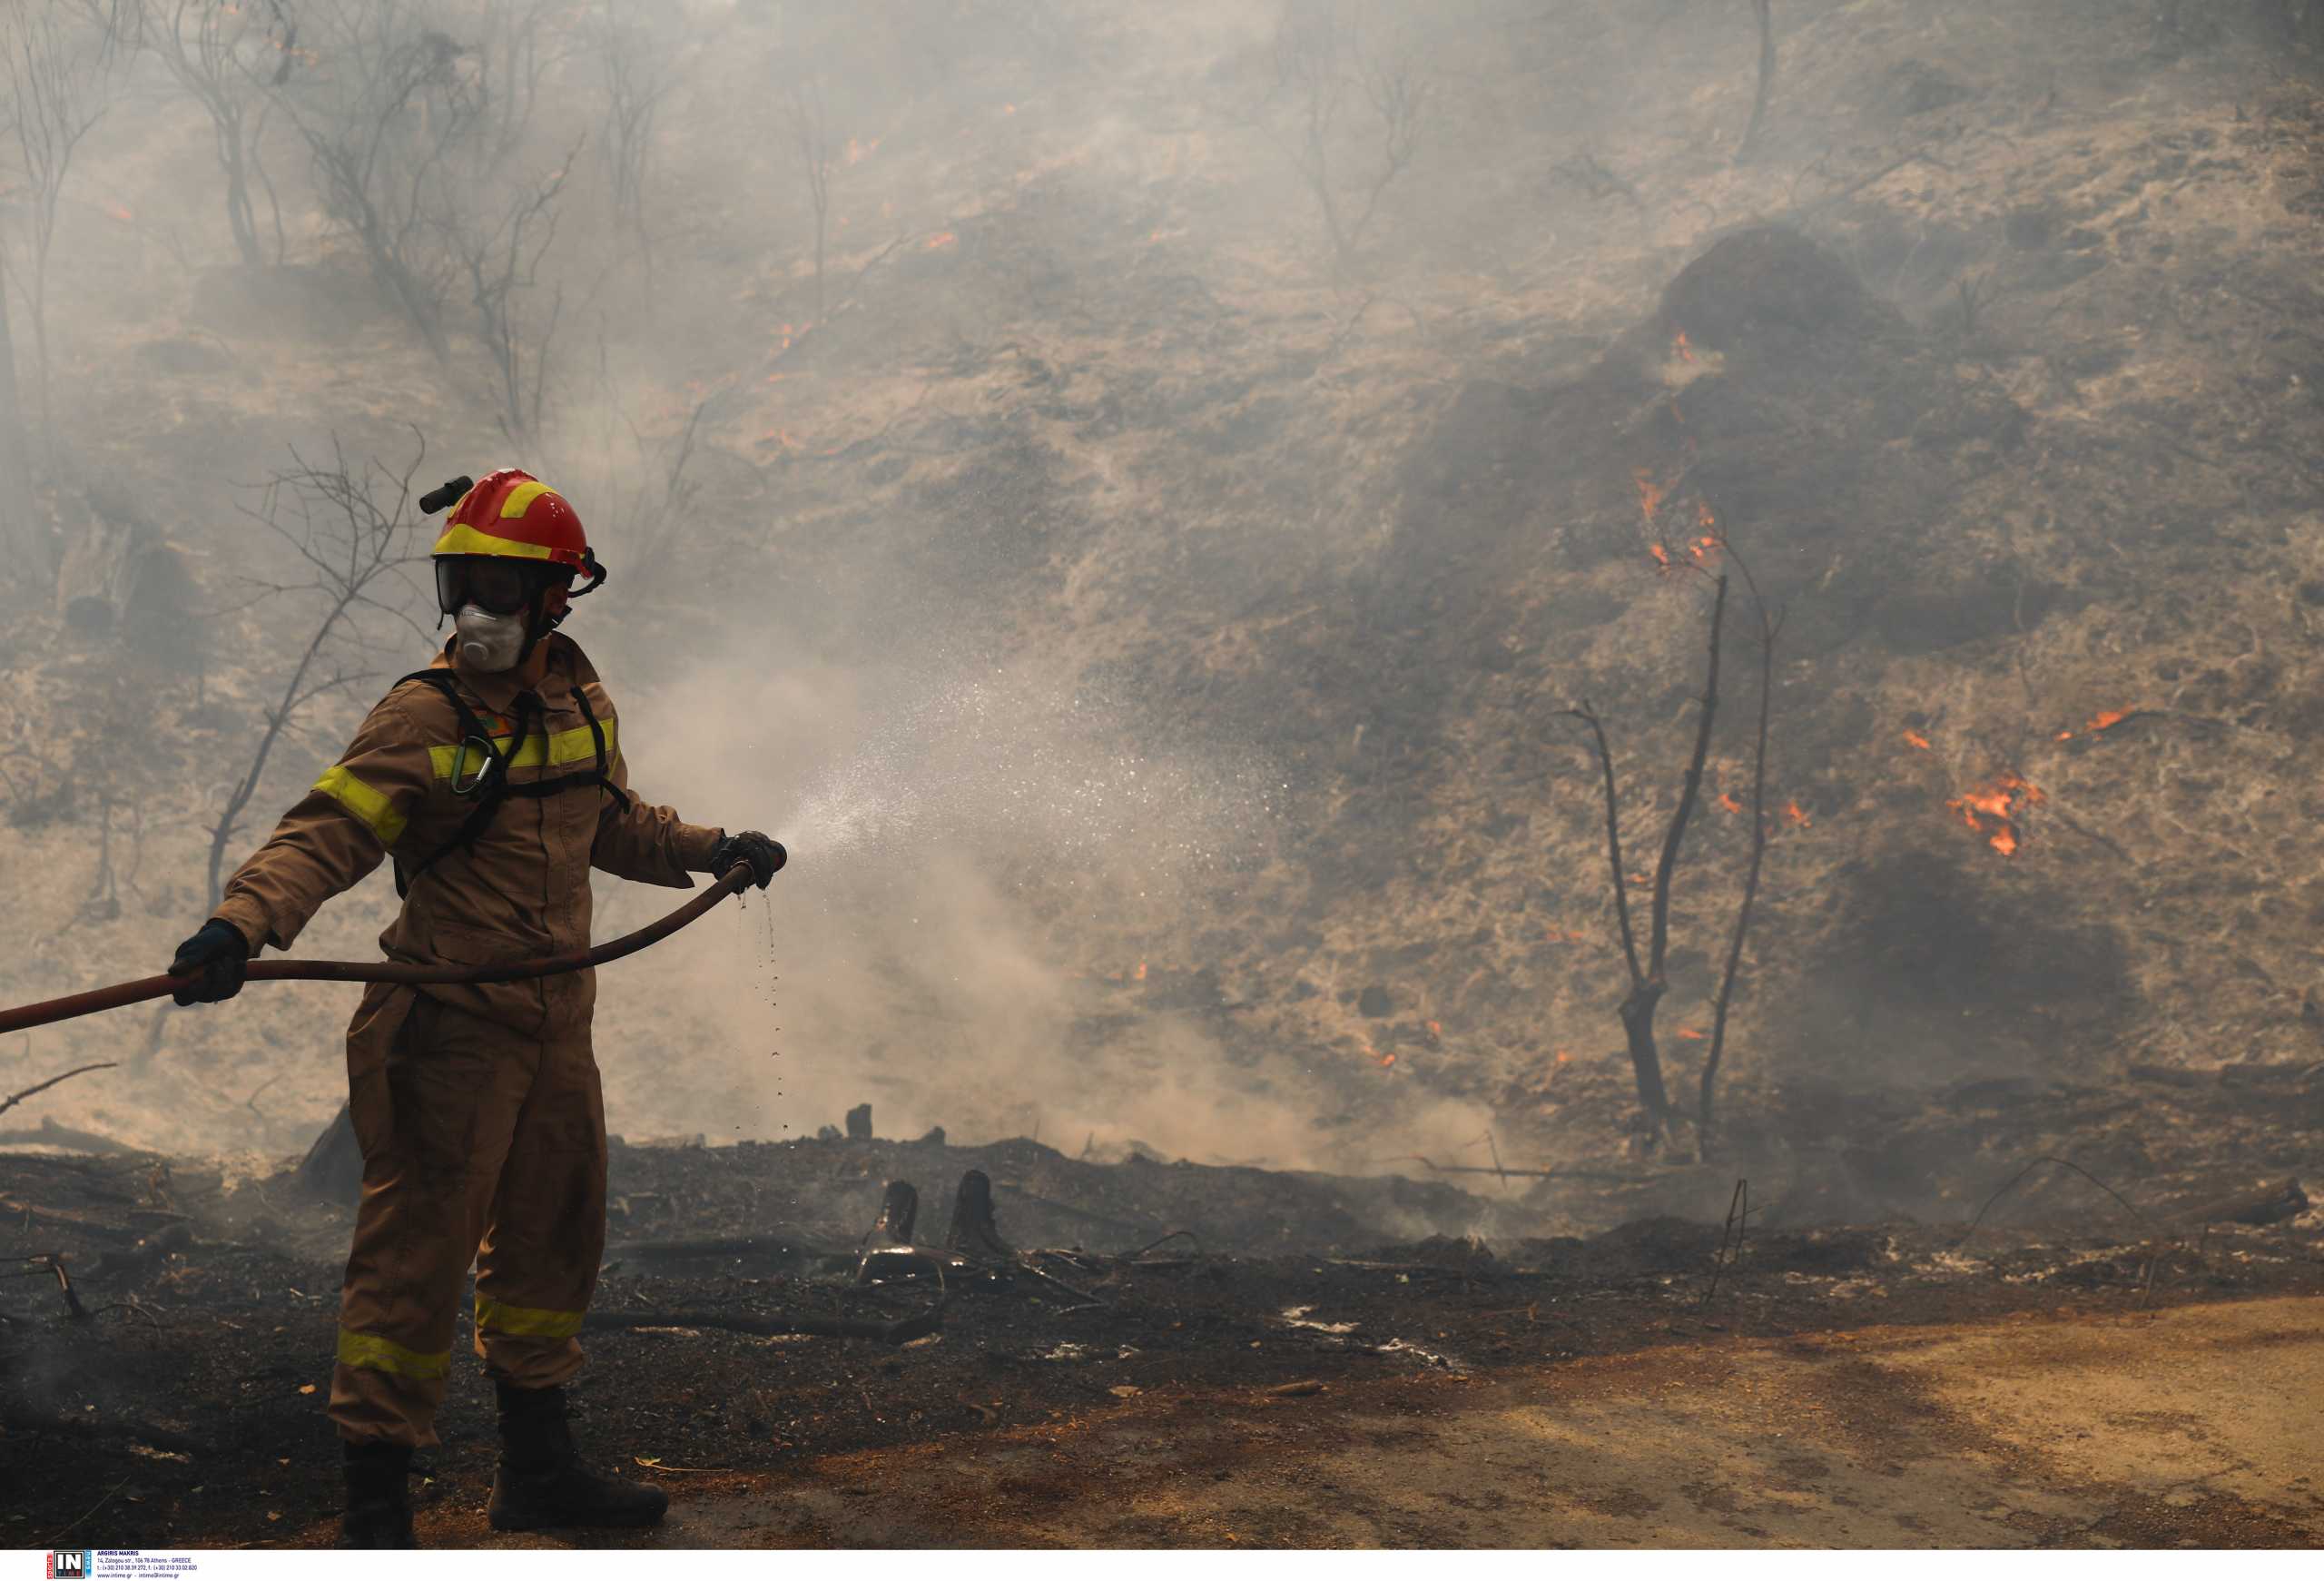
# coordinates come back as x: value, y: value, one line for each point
x: 143, y: 988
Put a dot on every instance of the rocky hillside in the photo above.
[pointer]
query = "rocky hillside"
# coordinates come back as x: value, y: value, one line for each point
x: 1994, y: 361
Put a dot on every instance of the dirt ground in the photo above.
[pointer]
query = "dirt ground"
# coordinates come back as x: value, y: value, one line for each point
x: 2189, y: 1428
x: 1263, y: 1373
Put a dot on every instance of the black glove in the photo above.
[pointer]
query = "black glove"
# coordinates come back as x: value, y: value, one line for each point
x: 765, y: 857
x: 220, y: 955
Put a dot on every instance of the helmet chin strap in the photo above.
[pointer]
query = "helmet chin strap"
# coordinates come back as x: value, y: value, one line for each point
x: 540, y: 622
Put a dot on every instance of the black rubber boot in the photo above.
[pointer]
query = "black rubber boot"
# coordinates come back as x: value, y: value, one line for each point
x: 542, y: 1482
x: 379, y: 1498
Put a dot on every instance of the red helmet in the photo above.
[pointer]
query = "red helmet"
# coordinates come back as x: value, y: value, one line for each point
x: 513, y: 515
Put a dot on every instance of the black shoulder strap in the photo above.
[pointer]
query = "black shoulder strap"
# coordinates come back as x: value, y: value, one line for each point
x: 491, y: 786
x: 604, y: 777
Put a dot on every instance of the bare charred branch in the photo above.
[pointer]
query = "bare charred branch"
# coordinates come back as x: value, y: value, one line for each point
x: 2012, y: 1183
x: 351, y: 525
x: 810, y: 133
x: 1764, y: 11
x: 14, y: 1099
x: 1589, y: 717
x: 1689, y: 792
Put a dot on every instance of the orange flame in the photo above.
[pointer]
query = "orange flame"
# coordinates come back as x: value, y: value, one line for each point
x: 1138, y: 975
x: 1792, y: 813
x: 1703, y: 517
x: 1690, y: 1034
x: 1679, y: 344
x: 1993, y: 809
x: 2106, y: 720
x: 858, y: 152
x: 1915, y: 738
x: 1386, y: 1060
x: 1435, y: 1029
x: 1726, y: 800
x: 1663, y: 560
x: 942, y: 238
x: 1649, y: 494
x: 118, y: 213
x: 1564, y: 1058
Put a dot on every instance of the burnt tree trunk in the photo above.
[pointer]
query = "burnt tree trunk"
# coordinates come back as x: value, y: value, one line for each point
x: 1707, y: 1086
x: 1763, y: 10
x: 975, y: 1231
x: 101, y: 568
x: 23, y: 541
x: 899, y: 1214
x: 333, y: 1171
x: 1646, y: 1060
x: 1648, y: 981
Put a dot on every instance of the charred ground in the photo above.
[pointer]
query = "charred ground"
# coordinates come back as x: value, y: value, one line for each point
x: 183, y: 1386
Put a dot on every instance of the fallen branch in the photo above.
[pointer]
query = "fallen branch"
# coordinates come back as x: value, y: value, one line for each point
x: 1071, y: 1211
x: 2268, y: 1205
x: 8, y: 1104
x: 1549, y: 1174
x: 26, y: 1420
x: 1151, y: 1245
x: 896, y: 1332
x: 62, y: 1219
x: 768, y: 1247
x: 51, y: 1134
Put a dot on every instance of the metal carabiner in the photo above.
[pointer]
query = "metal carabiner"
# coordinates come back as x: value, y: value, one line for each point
x: 483, y: 774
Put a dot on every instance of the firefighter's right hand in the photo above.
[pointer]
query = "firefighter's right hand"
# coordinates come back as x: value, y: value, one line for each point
x: 765, y: 857
x: 219, y: 954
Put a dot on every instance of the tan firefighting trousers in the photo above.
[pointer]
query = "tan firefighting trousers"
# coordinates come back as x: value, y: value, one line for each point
x: 492, y: 1148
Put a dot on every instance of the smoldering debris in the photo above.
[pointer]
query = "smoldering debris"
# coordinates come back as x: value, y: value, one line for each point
x: 750, y: 1319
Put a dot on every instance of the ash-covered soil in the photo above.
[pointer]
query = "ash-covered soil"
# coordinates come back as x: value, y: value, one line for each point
x: 177, y: 1398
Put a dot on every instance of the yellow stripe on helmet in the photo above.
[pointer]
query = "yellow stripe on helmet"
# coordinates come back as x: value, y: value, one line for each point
x: 520, y: 500
x: 462, y: 539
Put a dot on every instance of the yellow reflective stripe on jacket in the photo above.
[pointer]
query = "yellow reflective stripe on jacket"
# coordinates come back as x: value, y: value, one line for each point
x: 379, y: 1355
x: 367, y: 803
x: 575, y: 745
x: 537, y: 1322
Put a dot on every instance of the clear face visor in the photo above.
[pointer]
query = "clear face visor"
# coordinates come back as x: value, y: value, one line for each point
x: 499, y: 587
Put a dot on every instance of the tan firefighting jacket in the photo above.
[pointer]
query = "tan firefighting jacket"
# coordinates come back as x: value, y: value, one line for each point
x: 520, y: 890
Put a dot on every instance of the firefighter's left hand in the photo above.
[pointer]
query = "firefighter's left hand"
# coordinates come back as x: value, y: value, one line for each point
x: 765, y: 857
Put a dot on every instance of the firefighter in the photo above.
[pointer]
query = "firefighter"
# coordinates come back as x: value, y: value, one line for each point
x: 494, y: 781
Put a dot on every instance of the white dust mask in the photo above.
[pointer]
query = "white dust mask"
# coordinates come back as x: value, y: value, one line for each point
x: 488, y: 643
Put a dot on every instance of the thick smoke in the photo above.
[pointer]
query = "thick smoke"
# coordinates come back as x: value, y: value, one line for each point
x: 1078, y: 474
